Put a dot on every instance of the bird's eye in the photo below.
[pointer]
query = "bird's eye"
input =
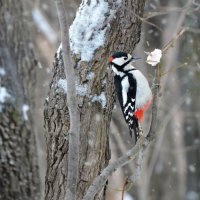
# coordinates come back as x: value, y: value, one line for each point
x: 125, y: 58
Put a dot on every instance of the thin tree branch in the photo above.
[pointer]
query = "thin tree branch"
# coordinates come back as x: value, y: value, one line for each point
x: 192, y: 30
x: 156, y: 87
x: 100, y: 181
x: 143, y: 19
x: 165, y: 11
x: 173, y: 40
x: 131, y: 154
x: 74, y: 132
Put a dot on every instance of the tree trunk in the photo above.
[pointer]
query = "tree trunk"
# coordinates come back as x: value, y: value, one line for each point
x: 18, y: 161
x: 95, y: 105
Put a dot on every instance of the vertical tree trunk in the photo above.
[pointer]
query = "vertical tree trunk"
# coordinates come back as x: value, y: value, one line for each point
x: 95, y: 101
x: 18, y: 161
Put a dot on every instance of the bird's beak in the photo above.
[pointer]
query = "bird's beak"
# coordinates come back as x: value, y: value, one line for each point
x: 135, y: 58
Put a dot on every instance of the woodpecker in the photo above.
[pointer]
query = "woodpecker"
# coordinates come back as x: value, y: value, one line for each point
x: 133, y: 91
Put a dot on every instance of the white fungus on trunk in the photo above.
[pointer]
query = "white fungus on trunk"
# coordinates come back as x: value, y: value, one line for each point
x: 154, y: 57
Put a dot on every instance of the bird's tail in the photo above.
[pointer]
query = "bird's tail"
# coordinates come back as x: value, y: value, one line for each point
x: 134, y: 128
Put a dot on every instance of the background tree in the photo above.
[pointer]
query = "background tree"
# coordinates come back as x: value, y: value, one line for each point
x: 18, y: 155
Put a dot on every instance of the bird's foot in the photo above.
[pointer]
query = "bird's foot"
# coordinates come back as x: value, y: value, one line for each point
x: 140, y: 130
x: 140, y: 133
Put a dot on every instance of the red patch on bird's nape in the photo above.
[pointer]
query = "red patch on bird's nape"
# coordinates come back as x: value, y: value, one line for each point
x: 110, y: 59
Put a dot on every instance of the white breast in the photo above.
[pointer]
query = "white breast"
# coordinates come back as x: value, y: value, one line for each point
x: 143, y: 94
x: 125, y: 87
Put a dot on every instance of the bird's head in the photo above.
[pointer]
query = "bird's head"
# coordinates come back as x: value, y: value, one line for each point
x: 119, y: 60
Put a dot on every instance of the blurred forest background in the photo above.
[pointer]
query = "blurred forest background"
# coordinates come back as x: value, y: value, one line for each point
x: 172, y: 168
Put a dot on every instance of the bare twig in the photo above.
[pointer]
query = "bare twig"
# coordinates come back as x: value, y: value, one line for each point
x: 100, y: 181
x: 131, y: 154
x: 174, y: 30
x: 192, y: 30
x: 147, y: 22
x: 174, y: 69
x: 173, y: 40
x: 165, y: 11
x: 143, y: 19
x: 74, y: 132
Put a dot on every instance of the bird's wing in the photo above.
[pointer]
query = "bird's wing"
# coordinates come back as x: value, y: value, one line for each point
x: 128, y: 108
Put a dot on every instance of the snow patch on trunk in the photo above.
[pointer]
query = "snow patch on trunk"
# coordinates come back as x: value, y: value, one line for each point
x: 101, y: 99
x: 90, y: 75
x: 2, y: 72
x: 62, y: 84
x: 87, y: 32
x: 88, y: 29
x: 25, y: 109
x: 81, y: 90
x: 4, y: 95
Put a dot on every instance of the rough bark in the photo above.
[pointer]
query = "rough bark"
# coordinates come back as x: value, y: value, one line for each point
x: 18, y: 161
x: 123, y: 32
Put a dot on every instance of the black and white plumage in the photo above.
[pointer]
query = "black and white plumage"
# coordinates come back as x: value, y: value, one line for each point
x: 132, y: 88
